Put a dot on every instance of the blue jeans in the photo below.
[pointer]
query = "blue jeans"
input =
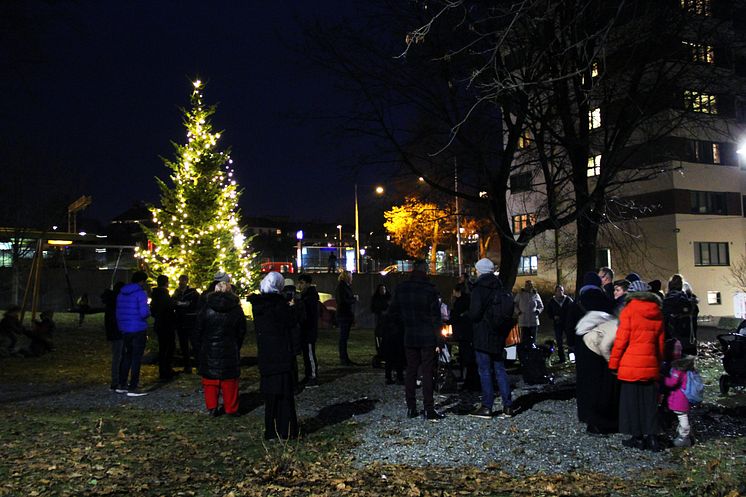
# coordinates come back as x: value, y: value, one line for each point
x: 134, y: 348
x: 116, y: 361
x: 486, y: 362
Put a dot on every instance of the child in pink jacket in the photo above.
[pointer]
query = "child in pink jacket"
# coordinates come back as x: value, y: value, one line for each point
x: 677, y: 401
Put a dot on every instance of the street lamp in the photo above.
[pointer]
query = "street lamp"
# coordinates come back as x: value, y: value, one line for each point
x: 339, y: 227
x: 299, y: 255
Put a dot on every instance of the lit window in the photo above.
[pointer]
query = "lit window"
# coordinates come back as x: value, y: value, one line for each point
x: 716, y: 153
x: 594, y: 166
x: 522, y: 221
x: 528, y: 265
x: 594, y: 118
x: 700, y: 52
x: 525, y: 139
x: 697, y: 7
x: 700, y: 102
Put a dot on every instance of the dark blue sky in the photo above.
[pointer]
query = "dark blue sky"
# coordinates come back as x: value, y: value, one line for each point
x: 95, y: 89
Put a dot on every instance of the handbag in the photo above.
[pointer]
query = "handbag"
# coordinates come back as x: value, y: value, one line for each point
x: 514, y: 337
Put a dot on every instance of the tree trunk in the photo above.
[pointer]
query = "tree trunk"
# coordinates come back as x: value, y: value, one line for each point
x: 510, y: 255
x: 587, y: 235
x: 434, y: 250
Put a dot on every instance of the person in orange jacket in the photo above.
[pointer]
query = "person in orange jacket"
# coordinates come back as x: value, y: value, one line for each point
x: 636, y: 357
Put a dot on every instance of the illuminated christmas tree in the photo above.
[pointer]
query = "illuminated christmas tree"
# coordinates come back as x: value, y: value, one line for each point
x: 197, y: 229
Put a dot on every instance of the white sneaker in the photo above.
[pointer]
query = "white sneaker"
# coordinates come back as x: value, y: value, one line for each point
x: 121, y: 390
x: 136, y: 393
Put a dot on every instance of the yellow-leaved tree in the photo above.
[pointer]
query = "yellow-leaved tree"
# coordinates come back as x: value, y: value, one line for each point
x: 416, y: 225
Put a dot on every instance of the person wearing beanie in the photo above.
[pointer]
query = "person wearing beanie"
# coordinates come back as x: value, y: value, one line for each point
x: 489, y: 347
x: 597, y: 391
x: 638, y: 286
x: 415, y: 308
x: 636, y: 357
x: 632, y: 277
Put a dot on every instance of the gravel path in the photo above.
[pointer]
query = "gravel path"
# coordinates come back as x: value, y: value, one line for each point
x: 544, y: 436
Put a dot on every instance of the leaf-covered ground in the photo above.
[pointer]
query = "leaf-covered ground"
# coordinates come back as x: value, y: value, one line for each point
x: 128, y: 450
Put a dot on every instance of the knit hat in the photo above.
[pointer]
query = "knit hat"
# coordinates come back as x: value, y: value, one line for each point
x: 484, y: 266
x: 289, y: 282
x: 639, y: 286
x: 222, y: 276
x: 591, y: 278
x: 632, y: 277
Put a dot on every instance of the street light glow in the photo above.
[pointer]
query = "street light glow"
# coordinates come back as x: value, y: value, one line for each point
x: 379, y: 190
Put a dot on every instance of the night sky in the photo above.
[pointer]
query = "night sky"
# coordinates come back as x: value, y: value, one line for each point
x: 94, y: 90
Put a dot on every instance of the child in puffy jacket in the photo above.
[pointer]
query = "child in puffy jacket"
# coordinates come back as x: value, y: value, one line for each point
x: 677, y: 401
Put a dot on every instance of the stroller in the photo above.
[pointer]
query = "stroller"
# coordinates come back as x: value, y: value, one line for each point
x: 734, y: 359
x: 445, y: 380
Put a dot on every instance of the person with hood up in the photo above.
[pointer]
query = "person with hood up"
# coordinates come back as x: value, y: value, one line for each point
x: 132, y: 312
x: 636, y: 357
x: 489, y: 347
x: 597, y: 392
x: 220, y: 329
x: 274, y: 321
x: 529, y: 305
x: 309, y: 329
x: 677, y: 402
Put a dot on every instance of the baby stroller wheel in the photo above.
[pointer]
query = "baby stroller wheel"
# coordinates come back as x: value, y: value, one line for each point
x: 724, y: 384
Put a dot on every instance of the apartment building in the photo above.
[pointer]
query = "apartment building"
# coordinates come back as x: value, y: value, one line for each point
x: 690, y: 216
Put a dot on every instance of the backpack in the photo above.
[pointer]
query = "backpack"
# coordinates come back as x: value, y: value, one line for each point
x: 499, y: 312
x: 695, y: 388
x: 678, y: 312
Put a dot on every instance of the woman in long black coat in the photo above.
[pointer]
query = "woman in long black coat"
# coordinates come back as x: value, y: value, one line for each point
x: 597, y: 389
x: 274, y: 320
x: 220, y: 331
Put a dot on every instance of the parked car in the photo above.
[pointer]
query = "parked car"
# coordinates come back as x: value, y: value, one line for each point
x: 280, y: 267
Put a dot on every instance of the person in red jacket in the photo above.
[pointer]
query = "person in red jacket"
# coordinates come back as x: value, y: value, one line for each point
x: 636, y: 357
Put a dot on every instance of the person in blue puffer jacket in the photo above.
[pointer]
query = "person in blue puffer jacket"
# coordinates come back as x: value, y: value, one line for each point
x: 132, y: 313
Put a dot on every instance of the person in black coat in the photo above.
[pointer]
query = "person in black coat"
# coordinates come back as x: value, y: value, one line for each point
x: 113, y: 335
x: 597, y: 388
x: 379, y: 302
x: 186, y: 299
x: 309, y: 328
x: 558, y: 308
x: 164, y: 324
x: 274, y: 321
x: 489, y: 346
x: 463, y: 334
x: 220, y: 330
x: 346, y: 300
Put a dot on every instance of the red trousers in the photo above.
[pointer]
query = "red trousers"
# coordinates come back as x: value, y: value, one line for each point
x: 229, y: 388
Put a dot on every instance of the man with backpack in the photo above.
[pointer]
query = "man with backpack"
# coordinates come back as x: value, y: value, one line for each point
x: 491, y: 312
x: 680, y: 315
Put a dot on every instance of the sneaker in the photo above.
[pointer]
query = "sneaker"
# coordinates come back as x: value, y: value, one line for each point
x: 433, y: 415
x: 120, y: 390
x: 508, y: 412
x: 412, y: 412
x: 312, y: 383
x: 682, y: 442
x: 136, y: 392
x: 483, y: 412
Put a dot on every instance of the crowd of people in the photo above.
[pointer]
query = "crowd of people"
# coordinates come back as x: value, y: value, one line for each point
x: 631, y: 344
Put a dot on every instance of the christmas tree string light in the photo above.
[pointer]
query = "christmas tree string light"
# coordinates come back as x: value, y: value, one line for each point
x: 197, y: 230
